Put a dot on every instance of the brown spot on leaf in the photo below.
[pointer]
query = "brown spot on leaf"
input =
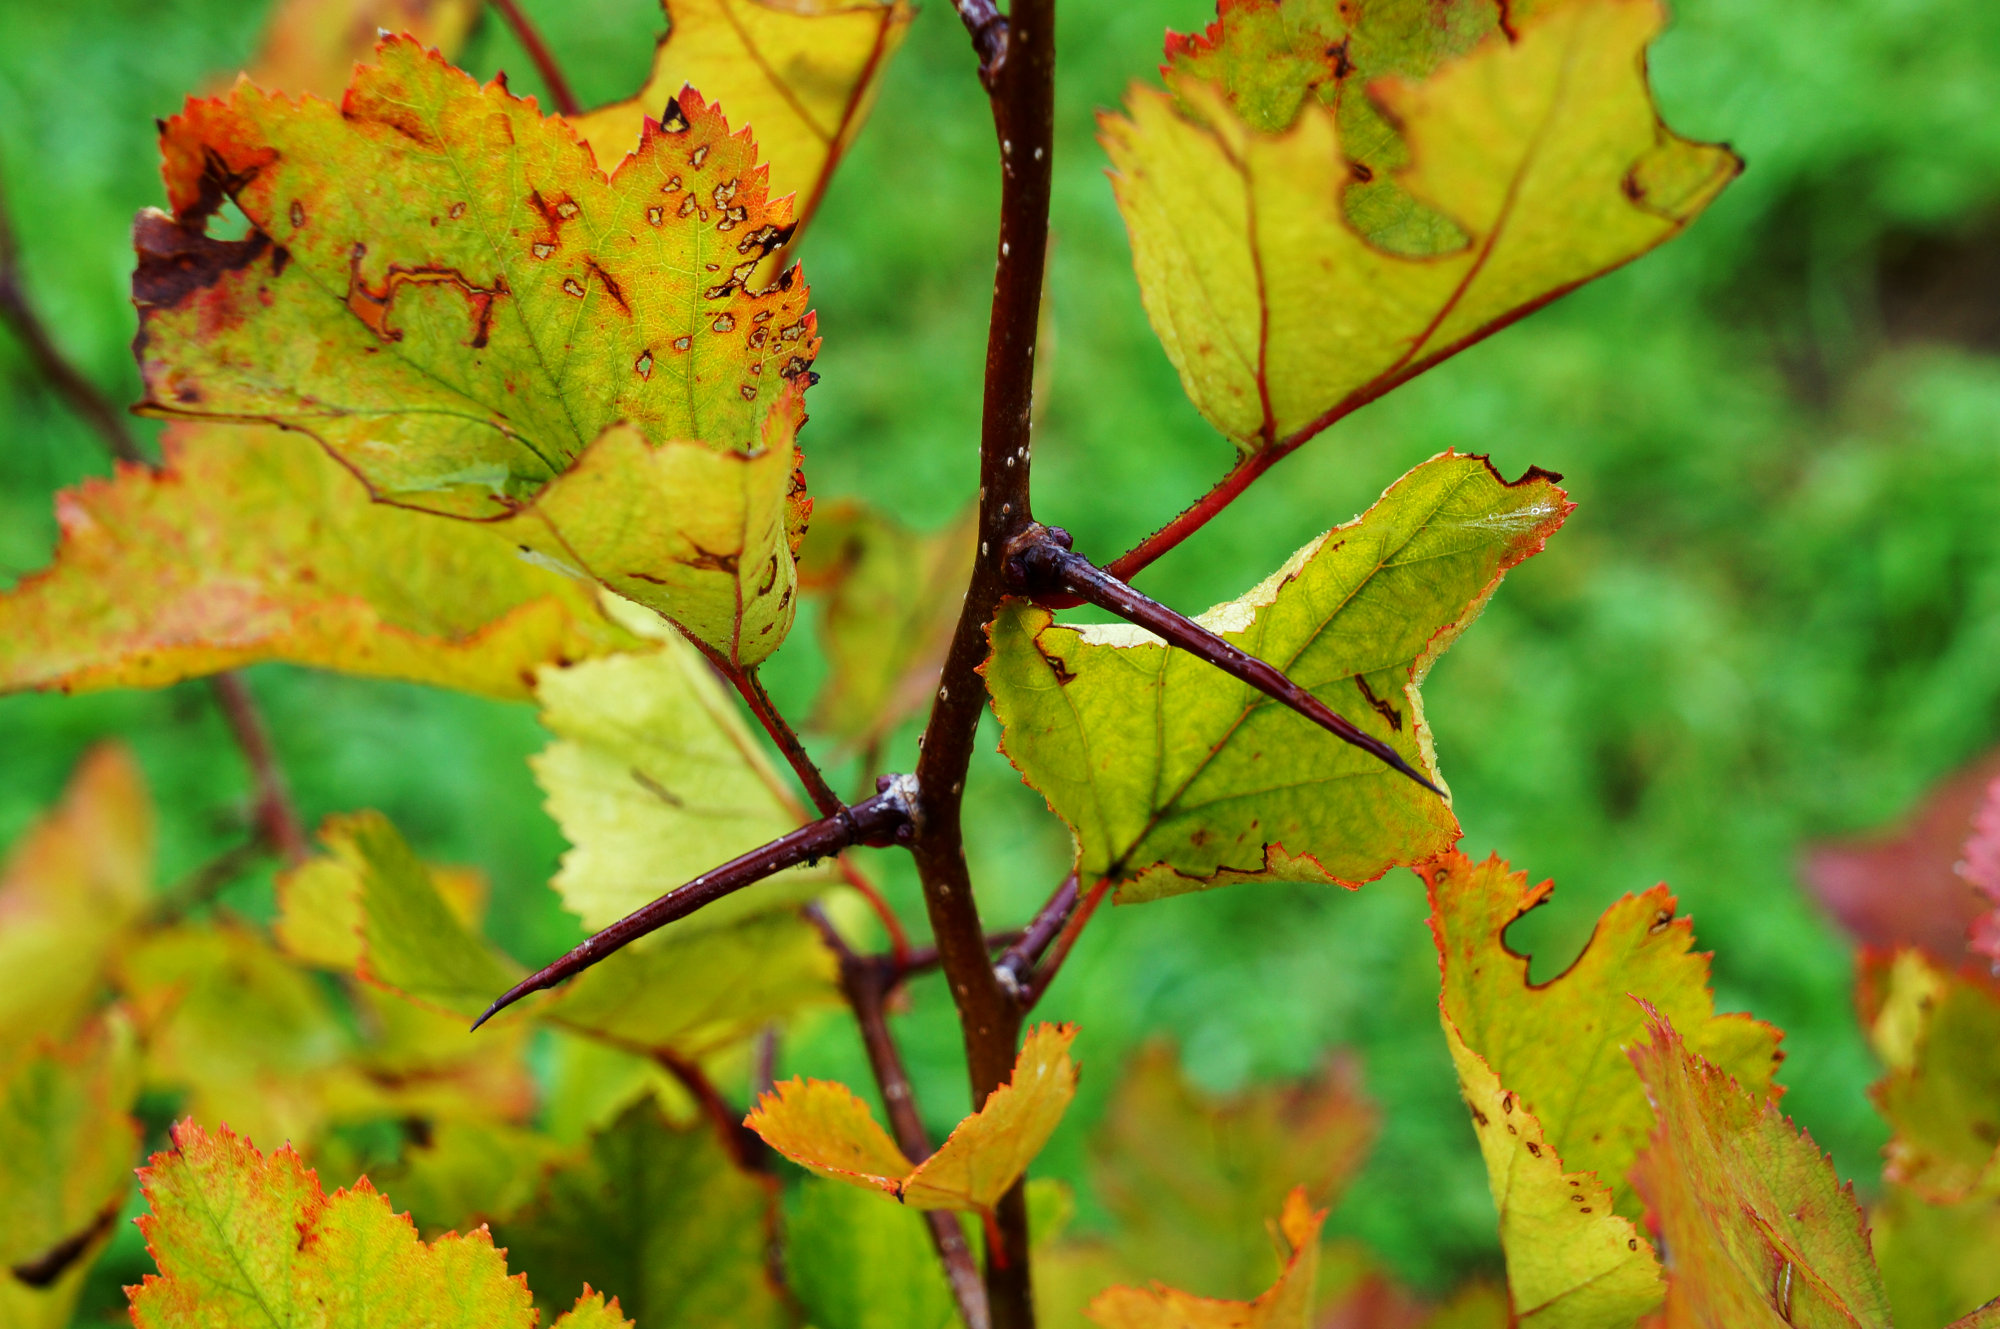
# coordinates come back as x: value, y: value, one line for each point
x: 643, y: 366
x: 723, y: 323
x: 573, y: 287
x: 177, y: 261
x: 298, y: 213
x: 1381, y: 707
x: 672, y: 120
x: 698, y: 156
x: 708, y: 562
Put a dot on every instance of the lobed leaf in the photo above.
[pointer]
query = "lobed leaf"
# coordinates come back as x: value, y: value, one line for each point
x: 891, y: 603
x: 1288, y: 1304
x: 1936, y: 1030
x: 655, y: 779
x: 1559, y: 1113
x: 465, y: 331
x: 1301, y: 252
x: 175, y: 573
x: 1175, y: 777
x: 803, y: 72
x: 67, y: 1145
x: 660, y: 1216
x: 72, y: 887
x: 246, y: 1240
x: 856, y: 1264
x: 1760, y: 1230
x: 824, y: 1127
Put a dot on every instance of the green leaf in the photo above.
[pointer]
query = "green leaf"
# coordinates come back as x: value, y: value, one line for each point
x: 804, y: 73
x: 824, y: 1127
x: 1937, y: 1031
x: 661, y: 1217
x: 171, y: 574
x: 891, y: 603
x: 1175, y: 777
x: 72, y: 886
x: 1759, y: 1229
x: 245, y: 1240
x: 655, y: 779
x: 856, y: 1263
x: 473, y: 1172
x: 1939, y: 1261
x: 465, y: 337
x: 1559, y: 1113
x: 1288, y: 1304
x: 1285, y: 296
x: 1191, y: 1178
x: 67, y: 1146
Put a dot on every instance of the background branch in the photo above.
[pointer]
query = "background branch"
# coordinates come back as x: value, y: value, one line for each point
x: 539, y: 52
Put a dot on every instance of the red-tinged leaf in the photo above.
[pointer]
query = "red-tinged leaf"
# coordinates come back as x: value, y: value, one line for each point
x: 250, y: 545
x: 1936, y: 1030
x: 1758, y: 1228
x: 1903, y: 888
x: 465, y: 333
x: 1288, y: 1304
x: 824, y: 1127
x: 248, y: 1240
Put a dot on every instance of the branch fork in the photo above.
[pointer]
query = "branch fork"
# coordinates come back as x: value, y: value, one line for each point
x: 1040, y: 562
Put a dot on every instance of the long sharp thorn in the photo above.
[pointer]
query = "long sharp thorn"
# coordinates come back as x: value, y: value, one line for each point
x: 1077, y: 575
x: 873, y: 821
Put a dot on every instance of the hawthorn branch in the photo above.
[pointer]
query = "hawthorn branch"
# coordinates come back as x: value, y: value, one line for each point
x: 1020, y: 958
x: 539, y: 52
x: 1020, y: 81
x: 879, y: 821
x: 988, y: 29
x: 746, y: 682
x: 1041, y: 561
x: 1045, y: 973
x: 866, y: 981
x: 276, y: 819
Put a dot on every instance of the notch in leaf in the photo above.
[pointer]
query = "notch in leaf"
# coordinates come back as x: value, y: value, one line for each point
x: 887, y: 818
x: 1041, y: 562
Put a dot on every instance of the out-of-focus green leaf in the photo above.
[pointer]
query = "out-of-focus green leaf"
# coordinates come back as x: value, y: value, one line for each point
x: 1175, y: 777
x: 1283, y: 299
x: 891, y: 601
x: 70, y: 888
x: 1759, y: 1229
x: 802, y: 73
x: 67, y: 1146
x: 1288, y: 1304
x: 473, y: 1172
x: 660, y: 1217
x: 246, y: 1240
x: 655, y: 779
x: 467, y: 337
x: 1937, y: 1030
x: 170, y: 574
x: 1939, y: 1261
x: 857, y: 1263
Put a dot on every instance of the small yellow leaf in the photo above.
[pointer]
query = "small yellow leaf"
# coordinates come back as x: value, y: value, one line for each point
x: 1288, y: 1304
x: 824, y: 1127
x: 802, y: 73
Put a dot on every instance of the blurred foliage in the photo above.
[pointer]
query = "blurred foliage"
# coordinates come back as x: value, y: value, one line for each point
x: 1775, y: 615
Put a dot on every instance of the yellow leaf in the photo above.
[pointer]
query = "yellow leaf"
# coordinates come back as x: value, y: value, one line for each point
x: 1937, y: 1030
x: 1541, y: 146
x: 1288, y: 1305
x: 71, y: 887
x: 312, y: 45
x: 1559, y: 1113
x: 801, y: 73
x: 824, y: 1127
x: 171, y: 574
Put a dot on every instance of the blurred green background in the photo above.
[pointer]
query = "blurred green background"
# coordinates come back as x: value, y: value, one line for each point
x: 1775, y: 615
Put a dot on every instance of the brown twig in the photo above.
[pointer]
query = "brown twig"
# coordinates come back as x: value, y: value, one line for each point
x: 1020, y: 958
x: 879, y: 821
x: 1045, y: 973
x: 745, y: 681
x: 1040, y: 560
x: 1021, y: 84
x: 277, y: 820
x: 538, y: 51
x: 744, y: 1146
x: 867, y: 981
x: 202, y: 885
x: 988, y: 29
